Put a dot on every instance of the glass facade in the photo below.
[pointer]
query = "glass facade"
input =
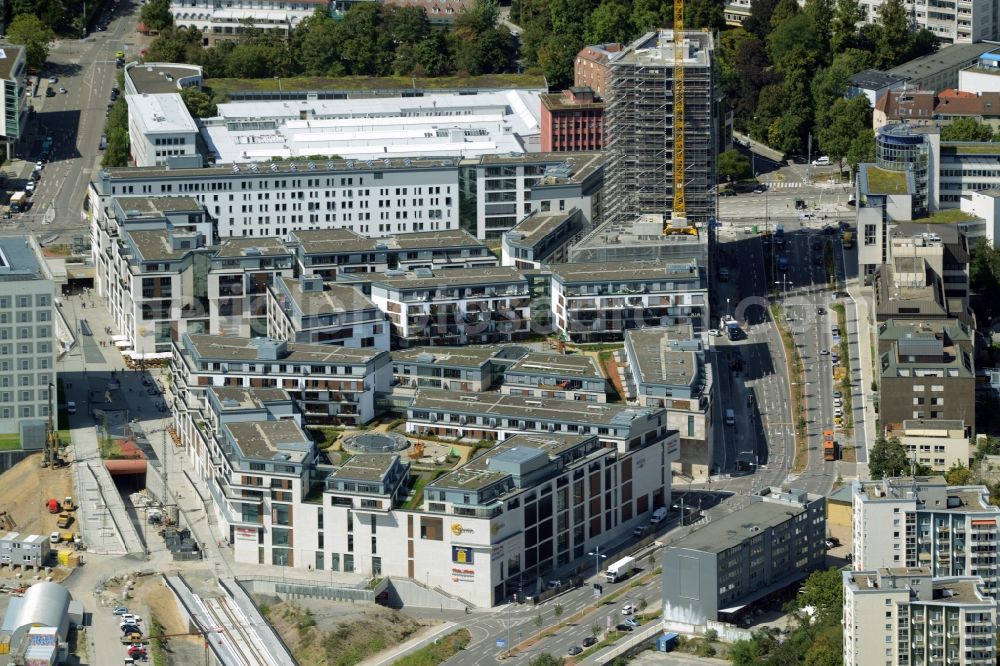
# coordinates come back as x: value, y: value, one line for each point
x: 897, y: 148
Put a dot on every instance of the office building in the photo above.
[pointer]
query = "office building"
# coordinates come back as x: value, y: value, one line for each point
x: 510, y: 187
x: 904, y: 615
x: 594, y: 302
x: 940, y: 70
x: 639, y: 128
x: 218, y: 22
x: 239, y: 274
x: 311, y: 311
x: 874, y: 85
x: 981, y: 76
x: 540, y: 239
x: 500, y: 525
x: 27, y: 341
x: 433, y: 125
x: 719, y: 570
x: 924, y: 522
x: 160, y: 127
x: 938, y: 444
x: 380, y: 198
x: 330, y: 384
x: 455, y: 306
x: 158, y: 78
x: 590, y: 67
x: 13, y: 74
x: 926, y: 371
x: 330, y: 252
x: 669, y: 367
x: 572, y: 120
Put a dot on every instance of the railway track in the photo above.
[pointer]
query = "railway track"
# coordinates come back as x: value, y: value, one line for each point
x: 243, y: 641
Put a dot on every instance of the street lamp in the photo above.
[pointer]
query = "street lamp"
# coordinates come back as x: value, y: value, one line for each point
x: 597, y: 560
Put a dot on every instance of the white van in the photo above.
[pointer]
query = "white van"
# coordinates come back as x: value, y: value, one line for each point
x: 658, y: 516
x: 730, y: 417
x: 822, y: 161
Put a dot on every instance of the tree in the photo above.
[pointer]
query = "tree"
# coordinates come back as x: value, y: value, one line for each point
x: 759, y: 21
x: 958, y: 474
x: 734, y: 165
x: 989, y: 446
x: 827, y: 648
x: 888, y: 459
x: 820, y: 12
x: 198, y: 103
x: 558, y: 610
x: 785, y: 9
x: 28, y: 31
x: 480, y: 46
x: 155, y: 14
x: 847, y: 14
x: 611, y: 21
x: 708, y: 14
x: 893, y: 33
x: 846, y: 120
x: 984, y: 279
x: 966, y: 129
x: 316, y: 45
x: 545, y: 659
x: 365, y: 43
x: 555, y: 57
x: 824, y: 591
x: 595, y: 630
x: 538, y: 620
x: 175, y: 44
x: 792, y: 40
x: 408, y: 25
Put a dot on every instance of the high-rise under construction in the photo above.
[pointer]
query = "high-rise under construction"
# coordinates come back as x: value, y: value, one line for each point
x: 640, y: 129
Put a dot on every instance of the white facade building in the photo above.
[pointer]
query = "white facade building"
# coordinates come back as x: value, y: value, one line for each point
x: 432, y: 125
x: 308, y: 310
x: 962, y: 22
x: 903, y: 616
x: 224, y: 21
x: 160, y: 127
x: 13, y: 77
x: 921, y: 521
x: 378, y: 198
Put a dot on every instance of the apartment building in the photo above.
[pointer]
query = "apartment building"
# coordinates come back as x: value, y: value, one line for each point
x: 486, y: 530
x: 598, y: 301
x: 13, y: 75
x: 461, y: 369
x: 927, y: 371
x: 227, y: 22
x: 925, y: 107
x: 639, y: 128
x: 719, y: 570
x: 572, y: 120
x: 981, y: 76
x: 903, y: 615
x: 311, y: 311
x: 329, y: 384
x: 557, y: 376
x: 27, y: 341
x: 496, y: 416
x: 455, y: 306
x: 590, y: 67
x: 373, y: 198
x: 541, y: 238
x: 240, y: 272
x: 936, y: 443
x: 668, y: 366
x: 330, y: 252
x: 509, y: 187
x: 924, y: 522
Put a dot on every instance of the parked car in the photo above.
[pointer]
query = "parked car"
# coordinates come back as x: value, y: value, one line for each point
x: 62, y: 90
x: 53, y: 79
x: 800, y: 204
x: 628, y: 609
x: 131, y: 619
x: 823, y: 352
x: 632, y: 622
x: 623, y: 627
x: 821, y: 161
x: 760, y: 189
x: 71, y: 409
x: 574, y: 650
x: 832, y: 542
x: 121, y: 610
x: 589, y: 640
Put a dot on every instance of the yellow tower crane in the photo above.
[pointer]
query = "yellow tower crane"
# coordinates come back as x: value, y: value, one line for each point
x: 678, y: 224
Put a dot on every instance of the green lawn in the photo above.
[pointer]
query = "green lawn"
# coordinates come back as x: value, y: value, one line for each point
x: 299, y: 83
x: 882, y: 181
x: 950, y: 215
x: 973, y: 148
x: 10, y: 442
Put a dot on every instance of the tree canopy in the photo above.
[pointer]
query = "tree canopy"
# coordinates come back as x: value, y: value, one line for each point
x: 734, y: 165
x: 888, y: 458
x: 155, y: 14
x: 966, y: 129
x: 29, y: 31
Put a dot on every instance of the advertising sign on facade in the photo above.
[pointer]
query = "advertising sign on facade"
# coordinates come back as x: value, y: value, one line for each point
x: 461, y: 555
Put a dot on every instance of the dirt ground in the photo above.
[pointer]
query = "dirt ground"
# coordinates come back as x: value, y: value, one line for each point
x: 26, y: 486
x: 324, y: 633
x: 157, y: 601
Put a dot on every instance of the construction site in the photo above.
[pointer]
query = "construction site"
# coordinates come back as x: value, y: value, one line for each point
x: 641, y: 127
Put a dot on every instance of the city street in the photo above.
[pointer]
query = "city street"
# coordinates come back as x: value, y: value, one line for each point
x: 75, y: 122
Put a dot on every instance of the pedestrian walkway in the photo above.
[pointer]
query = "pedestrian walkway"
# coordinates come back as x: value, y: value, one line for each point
x: 862, y: 309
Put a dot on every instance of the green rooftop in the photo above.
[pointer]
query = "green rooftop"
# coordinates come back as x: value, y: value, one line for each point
x: 311, y: 83
x: 883, y: 181
x: 972, y: 148
x: 948, y: 216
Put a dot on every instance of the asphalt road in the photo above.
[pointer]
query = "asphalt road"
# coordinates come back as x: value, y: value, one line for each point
x: 75, y: 121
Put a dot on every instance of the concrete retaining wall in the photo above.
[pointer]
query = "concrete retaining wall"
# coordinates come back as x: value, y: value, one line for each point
x: 290, y: 589
x: 403, y: 592
x: 10, y: 458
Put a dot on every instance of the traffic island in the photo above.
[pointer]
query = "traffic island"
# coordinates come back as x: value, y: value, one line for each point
x: 796, y: 381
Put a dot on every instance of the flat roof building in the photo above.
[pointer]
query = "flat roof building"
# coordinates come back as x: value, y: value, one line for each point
x: 541, y: 238
x: 308, y: 310
x: 719, y: 570
x: 160, y: 127
x: 939, y: 70
x: 13, y: 76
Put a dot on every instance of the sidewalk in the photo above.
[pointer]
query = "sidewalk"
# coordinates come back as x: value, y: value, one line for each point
x: 863, y: 327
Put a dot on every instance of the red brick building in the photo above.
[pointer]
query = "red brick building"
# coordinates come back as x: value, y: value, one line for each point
x: 591, y: 65
x: 572, y: 120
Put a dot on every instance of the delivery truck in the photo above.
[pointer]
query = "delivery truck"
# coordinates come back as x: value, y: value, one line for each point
x: 620, y: 569
x: 17, y: 201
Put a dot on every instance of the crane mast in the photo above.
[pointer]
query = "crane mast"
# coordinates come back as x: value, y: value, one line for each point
x: 678, y: 223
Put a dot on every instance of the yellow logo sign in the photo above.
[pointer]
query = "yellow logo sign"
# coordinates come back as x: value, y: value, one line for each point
x: 456, y: 529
